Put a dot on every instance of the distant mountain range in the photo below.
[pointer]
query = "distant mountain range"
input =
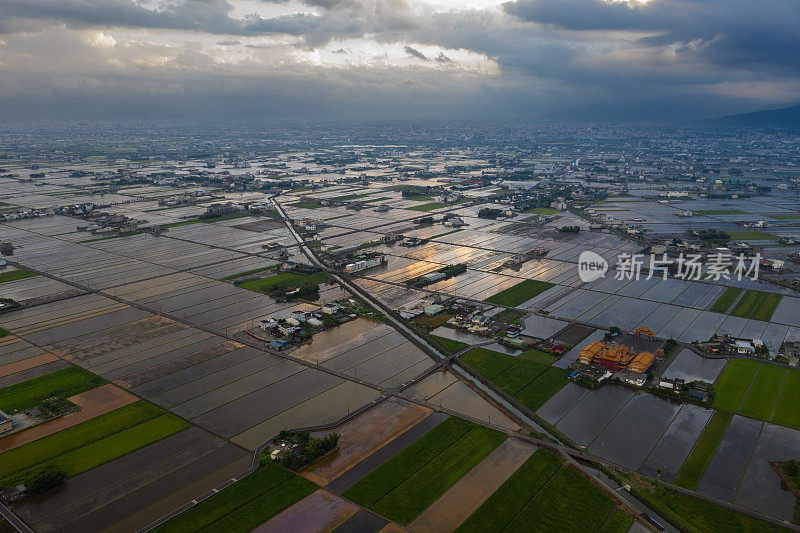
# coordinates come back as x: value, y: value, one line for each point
x: 785, y: 117
x: 681, y: 111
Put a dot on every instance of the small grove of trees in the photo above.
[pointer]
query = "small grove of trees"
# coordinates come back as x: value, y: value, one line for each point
x: 453, y: 270
x: 44, y: 479
x: 307, y: 291
x: 307, y: 450
x: 612, y: 332
x: 670, y: 346
x: 714, y: 236
x: 410, y: 191
x: 490, y: 213
x: 569, y: 229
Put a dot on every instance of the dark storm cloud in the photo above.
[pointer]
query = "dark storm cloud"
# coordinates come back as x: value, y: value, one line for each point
x: 202, y: 15
x: 340, y: 18
x: 415, y: 53
x: 746, y: 33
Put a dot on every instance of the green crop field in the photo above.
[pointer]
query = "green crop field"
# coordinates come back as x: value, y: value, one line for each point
x: 111, y: 447
x: 517, y: 377
x: 505, y: 503
x: 248, y: 272
x: 16, y: 274
x: 246, y: 504
x: 692, y: 514
x: 449, y: 344
x: 618, y: 523
x: 785, y: 216
x: 539, y: 356
x: 787, y: 412
x: 285, y: 280
x: 732, y: 385
x: 752, y: 235
x: 773, y: 386
x: 531, y: 382
x: 445, y: 233
x: 543, y: 388
x: 519, y: 293
x: 569, y: 502
x: 488, y: 362
x: 725, y: 301
x: 695, y: 465
x: 432, y: 321
x: 13, y: 461
x: 542, y: 495
x: 428, y: 207
x: 64, y: 383
x: 509, y: 316
x: 4, y: 332
x: 380, y: 481
x: 763, y: 392
x: 757, y: 305
x: 412, y: 480
x: 91, y: 443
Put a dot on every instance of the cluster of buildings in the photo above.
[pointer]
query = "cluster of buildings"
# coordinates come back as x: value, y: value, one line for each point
x: 301, y: 324
x: 79, y: 210
x: 26, y: 213
x: 185, y: 199
x: 727, y: 345
x: 223, y: 208
x: 102, y: 223
x: 696, y: 391
x: 463, y: 316
x: 365, y: 264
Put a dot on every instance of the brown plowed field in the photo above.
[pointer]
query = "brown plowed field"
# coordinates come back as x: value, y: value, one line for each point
x: 361, y: 436
x: 25, y: 364
x: 321, y: 512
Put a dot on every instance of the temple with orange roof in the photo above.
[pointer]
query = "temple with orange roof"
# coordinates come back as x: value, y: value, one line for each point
x: 616, y: 357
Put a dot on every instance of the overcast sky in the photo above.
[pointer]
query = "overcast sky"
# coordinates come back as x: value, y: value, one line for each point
x: 389, y: 59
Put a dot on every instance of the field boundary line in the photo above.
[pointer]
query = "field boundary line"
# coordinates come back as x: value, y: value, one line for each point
x: 735, y: 301
x: 747, y: 465
x: 749, y: 386
x: 541, y: 488
x: 611, y: 420
x: 698, y: 440
x: 662, y: 435
x: 778, y: 396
